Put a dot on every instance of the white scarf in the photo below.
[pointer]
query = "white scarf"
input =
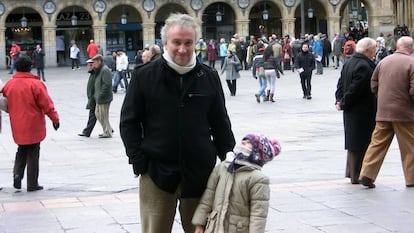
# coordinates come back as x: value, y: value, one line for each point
x: 180, y: 69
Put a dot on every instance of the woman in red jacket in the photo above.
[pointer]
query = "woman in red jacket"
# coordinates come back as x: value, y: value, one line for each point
x: 28, y: 103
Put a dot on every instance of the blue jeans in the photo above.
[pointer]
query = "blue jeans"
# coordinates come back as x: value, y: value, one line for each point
x: 222, y: 61
x: 12, y: 65
x: 263, y: 85
x: 116, y: 81
x: 200, y: 58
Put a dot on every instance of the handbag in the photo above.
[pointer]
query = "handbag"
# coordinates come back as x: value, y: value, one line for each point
x: 287, y: 56
x: 262, y: 72
x: 238, y: 66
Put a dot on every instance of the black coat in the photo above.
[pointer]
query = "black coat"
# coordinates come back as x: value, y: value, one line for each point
x: 174, y: 126
x: 38, y: 60
x: 357, y: 101
x: 305, y: 60
x: 327, y: 47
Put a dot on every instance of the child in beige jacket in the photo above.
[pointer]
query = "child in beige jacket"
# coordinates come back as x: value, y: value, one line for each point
x: 237, y: 195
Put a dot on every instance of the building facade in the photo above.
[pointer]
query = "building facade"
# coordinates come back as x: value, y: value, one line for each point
x: 131, y: 24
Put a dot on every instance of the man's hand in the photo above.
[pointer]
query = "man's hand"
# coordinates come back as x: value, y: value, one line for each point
x: 135, y: 167
x: 199, y: 229
x: 338, y: 106
x: 56, y: 125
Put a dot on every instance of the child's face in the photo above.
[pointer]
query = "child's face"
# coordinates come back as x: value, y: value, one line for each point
x: 246, y: 143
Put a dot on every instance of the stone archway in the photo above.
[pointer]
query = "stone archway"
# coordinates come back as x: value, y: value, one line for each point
x: 68, y: 33
x: 265, y: 19
x: 124, y: 35
x: 26, y: 36
x: 354, y: 18
x: 315, y: 18
x: 218, y: 21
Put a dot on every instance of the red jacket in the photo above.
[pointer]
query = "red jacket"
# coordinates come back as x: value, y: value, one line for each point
x: 28, y: 103
x: 92, y: 50
x: 14, y: 51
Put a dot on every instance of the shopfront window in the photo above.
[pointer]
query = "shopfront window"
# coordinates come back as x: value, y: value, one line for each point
x: 125, y: 37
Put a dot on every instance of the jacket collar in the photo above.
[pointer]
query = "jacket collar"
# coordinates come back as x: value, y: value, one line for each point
x: 25, y: 75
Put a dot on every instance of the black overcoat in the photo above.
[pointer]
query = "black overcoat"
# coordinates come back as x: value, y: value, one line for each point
x: 357, y: 102
x: 38, y: 60
x: 174, y: 126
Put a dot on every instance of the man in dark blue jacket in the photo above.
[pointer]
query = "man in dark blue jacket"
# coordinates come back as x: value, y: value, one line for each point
x: 174, y: 124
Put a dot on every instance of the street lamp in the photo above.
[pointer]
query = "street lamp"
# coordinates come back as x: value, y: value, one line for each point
x: 124, y: 18
x: 23, y: 21
x: 265, y: 13
x: 310, y: 12
x: 219, y: 15
x: 74, y: 19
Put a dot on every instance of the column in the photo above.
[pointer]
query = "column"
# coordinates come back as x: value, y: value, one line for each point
x: 148, y: 33
x: 3, y: 48
x: 49, y: 45
x: 288, y: 27
x: 242, y: 27
x: 99, y: 32
x: 334, y: 25
x: 380, y: 23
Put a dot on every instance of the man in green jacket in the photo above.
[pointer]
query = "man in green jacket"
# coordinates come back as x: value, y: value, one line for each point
x: 103, y: 94
x: 90, y: 89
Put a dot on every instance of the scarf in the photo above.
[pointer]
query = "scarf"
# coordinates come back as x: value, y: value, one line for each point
x: 180, y: 69
x: 241, y: 153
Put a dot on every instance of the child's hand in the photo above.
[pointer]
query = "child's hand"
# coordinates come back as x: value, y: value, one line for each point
x: 199, y: 229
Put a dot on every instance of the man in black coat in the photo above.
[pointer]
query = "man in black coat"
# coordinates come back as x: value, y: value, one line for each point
x: 354, y: 97
x: 304, y: 64
x: 174, y: 125
x: 327, y: 50
x: 38, y: 60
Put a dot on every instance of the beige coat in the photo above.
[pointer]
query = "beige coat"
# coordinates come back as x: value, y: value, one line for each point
x: 393, y: 83
x: 235, y: 202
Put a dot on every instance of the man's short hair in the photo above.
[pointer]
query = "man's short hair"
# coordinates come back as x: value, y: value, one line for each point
x: 182, y: 20
x: 23, y: 64
x: 155, y: 49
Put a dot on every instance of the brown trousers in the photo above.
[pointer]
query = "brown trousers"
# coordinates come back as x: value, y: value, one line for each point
x: 157, y: 208
x: 102, y: 115
x: 381, y: 141
x: 27, y: 154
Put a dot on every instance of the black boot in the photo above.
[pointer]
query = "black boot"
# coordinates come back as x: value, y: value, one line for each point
x: 266, y: 98
x: 17, y: 182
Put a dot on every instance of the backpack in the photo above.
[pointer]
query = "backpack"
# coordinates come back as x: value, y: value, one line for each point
x: 349, y: 49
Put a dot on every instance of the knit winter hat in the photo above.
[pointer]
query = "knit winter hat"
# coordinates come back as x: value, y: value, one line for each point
x: 264, y: 149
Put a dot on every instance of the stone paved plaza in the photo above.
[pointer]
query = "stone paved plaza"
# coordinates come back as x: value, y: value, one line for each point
x: 89, y: 186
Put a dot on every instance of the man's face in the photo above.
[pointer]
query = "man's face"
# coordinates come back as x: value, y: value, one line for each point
x: 146, y: 56
x: 96, y: 64
x: 305, y: 47
x: 180, y: 44
x: 90, y: 66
